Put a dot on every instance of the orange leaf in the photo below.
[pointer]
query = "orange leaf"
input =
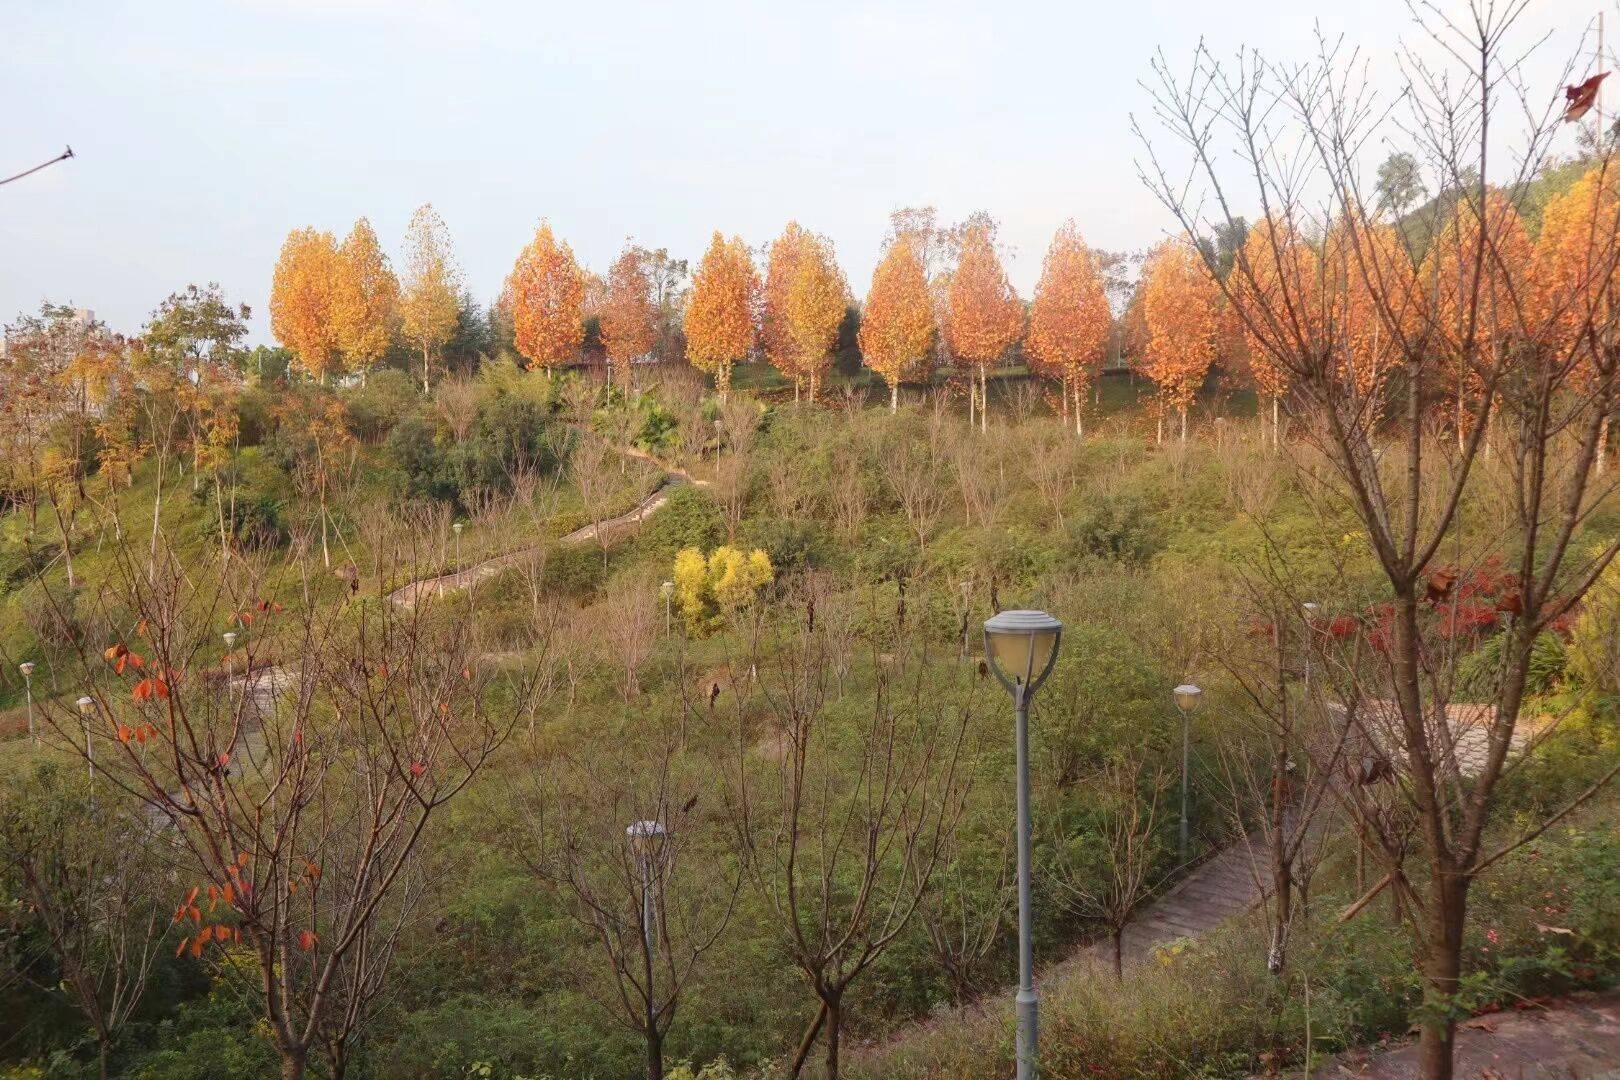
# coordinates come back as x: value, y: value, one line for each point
x: 118, y: 666
x: 124, y: 732
x: 307, y: 940
x: 224, y: 758
x: 180, y: 948
x: 242, y: 859
x: 161, y: 687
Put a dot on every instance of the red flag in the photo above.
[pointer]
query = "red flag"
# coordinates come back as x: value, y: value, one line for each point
x: 1578, y: 100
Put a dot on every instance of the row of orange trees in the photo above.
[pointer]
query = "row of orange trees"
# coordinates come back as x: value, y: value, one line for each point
x: 935, y: 296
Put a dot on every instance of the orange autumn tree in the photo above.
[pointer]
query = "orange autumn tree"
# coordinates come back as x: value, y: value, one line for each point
x: 430, y: 301
x: 983, y: 315
x: 1576, y: 278
x: 897, y: 323
x: 1069, y: 320
x: 364, y: 300
x: 806, y: 299
x: 1358, y: 255
x: 1278, y: 273
x: 548, y: 296
x: 721, y: 312
x: 302, y: 295
x: 1471, y: 274
x: 1179, y: 306
x: 629, y: 318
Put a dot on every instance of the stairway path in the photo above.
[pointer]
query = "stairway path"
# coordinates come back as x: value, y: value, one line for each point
x: 1223, y: 886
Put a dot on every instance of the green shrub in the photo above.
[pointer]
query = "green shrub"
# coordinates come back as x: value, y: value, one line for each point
x: 688, y: 518
x: 388, y: 396
x: 1120, y: 527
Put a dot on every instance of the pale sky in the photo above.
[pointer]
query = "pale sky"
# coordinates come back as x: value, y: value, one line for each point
x: 206, y: 130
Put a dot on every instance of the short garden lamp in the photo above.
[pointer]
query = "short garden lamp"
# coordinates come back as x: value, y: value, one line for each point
x: 1021, y: 647
x: 646, y: 839
x: 1188, y: 697
x: 87, y: 708
x: 27, y: 669
x: 1312, y: 610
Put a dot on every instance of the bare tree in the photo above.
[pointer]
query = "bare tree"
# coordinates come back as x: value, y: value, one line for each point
x: 87, y: 871
x: 1280, y: 759
x: 1110, y: 880
x: 624, y: 848
x: 964, y: 908
x: 843, y: 809
x: 739, y: 424
x: 297, y: 796
x: 1375, y: 340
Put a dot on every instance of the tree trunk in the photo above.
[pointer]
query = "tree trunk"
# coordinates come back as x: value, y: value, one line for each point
x: 1118, y: 935
x: 984, y: 401
x: 834, y: 1020
x: 808, y: 1042
x: 1441, y: 970
x: 894, y: 397
x: 104, y: 1055
x: 292, y: 1064
x: 655, y: 1054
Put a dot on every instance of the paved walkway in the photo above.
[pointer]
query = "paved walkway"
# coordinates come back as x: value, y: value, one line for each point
x: 1222, y: 886
x: 610, y: 530
x: 1574, y: 1037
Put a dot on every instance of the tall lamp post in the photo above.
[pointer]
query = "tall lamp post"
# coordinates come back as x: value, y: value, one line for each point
x: 646, y: 839
x: 667, y: 591
x: 27, y: 669
x: 1021, y: 647
x: 1188, y: 698
x: 456, y: 528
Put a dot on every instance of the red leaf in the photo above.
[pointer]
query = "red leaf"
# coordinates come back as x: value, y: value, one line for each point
x: 417, y: 768
x: 307, y: 940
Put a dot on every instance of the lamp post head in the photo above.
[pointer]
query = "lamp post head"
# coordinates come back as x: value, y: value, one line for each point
x: 1312, y: 609
x: 646, y: 838
x: 86, y: 704
x: 667, y: 589
x: 1021, y: 647
x: 27, y: 669
x: 230, y: 639
x: 1188, y: 697
x: 456, y: 528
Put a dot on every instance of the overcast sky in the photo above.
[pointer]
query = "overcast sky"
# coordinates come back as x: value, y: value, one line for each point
x: 206, y: 130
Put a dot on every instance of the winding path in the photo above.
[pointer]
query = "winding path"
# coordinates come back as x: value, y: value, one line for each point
x: 611, y: 529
